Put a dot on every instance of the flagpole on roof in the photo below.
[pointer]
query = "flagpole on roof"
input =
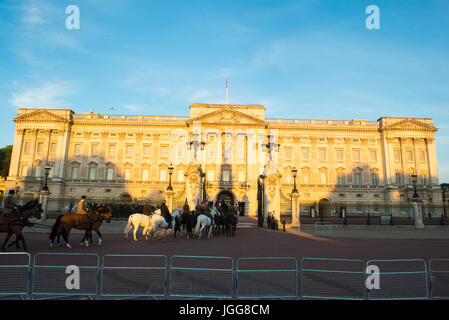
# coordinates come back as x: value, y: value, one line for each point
x: 226, y: 88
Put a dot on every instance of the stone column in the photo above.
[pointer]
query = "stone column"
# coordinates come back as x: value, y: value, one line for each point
x: 296, y: 223
x: 169, y: 199
x: 417, y: 212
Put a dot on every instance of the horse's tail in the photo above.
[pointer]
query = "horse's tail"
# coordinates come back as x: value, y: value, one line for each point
x: 128, y: 226
x: 197, y: 227
x: 54, y: 229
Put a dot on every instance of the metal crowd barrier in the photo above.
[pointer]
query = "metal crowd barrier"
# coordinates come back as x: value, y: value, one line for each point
x: 126, y: 275
x: 400, y: 279
x: 267, y: 277
x: 15, y: 269
x: 323, y: 278
x: 201, y: 277
x: 439, y: 278
x: 151, y: 276
x: 52, y: 279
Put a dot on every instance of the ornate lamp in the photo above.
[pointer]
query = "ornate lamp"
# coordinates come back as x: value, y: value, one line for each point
x: 170, y: 172
x: 294, y: 172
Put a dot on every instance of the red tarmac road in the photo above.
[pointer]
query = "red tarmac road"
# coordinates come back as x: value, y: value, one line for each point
x: 253, y: 242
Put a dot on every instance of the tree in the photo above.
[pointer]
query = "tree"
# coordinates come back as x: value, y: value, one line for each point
x: 5, y: 159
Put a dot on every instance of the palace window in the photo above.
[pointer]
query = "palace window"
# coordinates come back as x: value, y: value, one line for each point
x: 226, y: 175
x: 373, y: 155
x: 127, y: 174
x: 305, y: 154
x: 323, y: 154
x: 397, y: 156
x: 112, y: 150
x: 398, y: 179
x: 92, y: 173
x: 146, y: 150
x: 339, y: 155
x: 26, y: 148
x: 374, y: 179
x: 181, y: 175
x: 53, y: 148
x: 40, y: 147
x: 422, y: 156
x: 77, y: 149
x: 356, y: 155
x: 409, y: 155
x: 288, y: 153
x: 110, y: 174
x: 358, y: 178
x: 129, y: 150
x: 323, y: 178
x: 75, y: 172
x: 163, y: 175
x: 145, y: 174
x: 164, y: 152
x: 37, y: 171
x: 95, y: 149
x: 341, y: 178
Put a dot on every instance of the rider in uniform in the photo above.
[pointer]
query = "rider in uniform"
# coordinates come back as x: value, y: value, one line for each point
x: 9, y: 205
x: 166, y: 213
x: 147, y: 208
x: 82, y: 206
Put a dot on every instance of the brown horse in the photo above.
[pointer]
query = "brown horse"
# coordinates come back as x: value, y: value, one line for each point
x: 17, y: 221
x: 88, y: 222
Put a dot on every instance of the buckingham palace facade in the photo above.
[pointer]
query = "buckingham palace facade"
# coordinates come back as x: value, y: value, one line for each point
x: 227, y: 149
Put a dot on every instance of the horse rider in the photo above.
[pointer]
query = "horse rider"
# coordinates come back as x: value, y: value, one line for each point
x: 82, y: 206
x: 166, y: 213
x: 147, y: 208
x: 9, y: 205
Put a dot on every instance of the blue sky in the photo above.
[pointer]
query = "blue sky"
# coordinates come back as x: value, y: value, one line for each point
x: 311, y: 59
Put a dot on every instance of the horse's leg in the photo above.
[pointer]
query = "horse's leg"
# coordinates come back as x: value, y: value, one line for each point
x: 65, y: 235
x: 20, y: 236
x: 84, y: 238
x: 6, y: 240
x: 134, y: 233
x: 97, y: 230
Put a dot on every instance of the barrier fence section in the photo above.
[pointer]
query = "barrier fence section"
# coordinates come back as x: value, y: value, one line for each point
x: 201, y: 277
x: 15, y: 269
x: 400, y: 279
x: 439, y: 278
x: 267, y: 277
x: 125, y: 275
x: 65, y: 274
x: 323, y: 278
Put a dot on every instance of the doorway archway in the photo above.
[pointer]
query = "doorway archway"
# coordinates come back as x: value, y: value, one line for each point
x: 324, y: 208
x: 227, y: 197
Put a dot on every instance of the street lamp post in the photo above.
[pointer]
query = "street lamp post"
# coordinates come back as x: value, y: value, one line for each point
x: 294, y: 172
x: 417, y: 209
x: 45, y: 192
x: 270, y: 145
x: 444, y: 188
x: 414, y: 178
x: 170, y: 172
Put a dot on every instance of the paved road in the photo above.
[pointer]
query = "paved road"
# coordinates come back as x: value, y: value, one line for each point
x: 251, y: 241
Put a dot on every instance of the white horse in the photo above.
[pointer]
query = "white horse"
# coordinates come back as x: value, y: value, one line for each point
x: 158, y: 222
x: 136, y: 220
x: 204, y: 221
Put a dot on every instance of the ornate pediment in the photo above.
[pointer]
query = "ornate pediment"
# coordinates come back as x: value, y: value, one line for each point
x: 227, y: 116
x: 40, y: 116
x: 411, y: 125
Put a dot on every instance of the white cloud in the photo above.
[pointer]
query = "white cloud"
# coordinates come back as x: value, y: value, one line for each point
x: 32, y: 14
x: 49, y: 94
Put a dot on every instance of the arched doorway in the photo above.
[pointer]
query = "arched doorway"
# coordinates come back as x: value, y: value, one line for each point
x: 126, y: 198
x: 227, y: 197
x: 324, y: 208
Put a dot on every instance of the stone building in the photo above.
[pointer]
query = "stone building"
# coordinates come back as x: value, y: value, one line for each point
x: 360, y: 162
